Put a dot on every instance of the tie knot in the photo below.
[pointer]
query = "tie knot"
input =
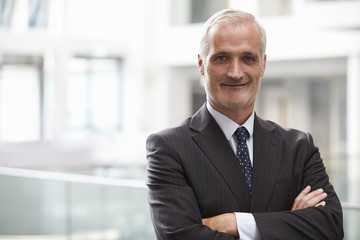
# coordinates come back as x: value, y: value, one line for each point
x: 242, y: 134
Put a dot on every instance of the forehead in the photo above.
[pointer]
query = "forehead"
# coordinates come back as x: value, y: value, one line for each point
x: 244, y: 36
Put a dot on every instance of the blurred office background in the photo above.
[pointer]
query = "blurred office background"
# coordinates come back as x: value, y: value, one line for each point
x: 83, y: 82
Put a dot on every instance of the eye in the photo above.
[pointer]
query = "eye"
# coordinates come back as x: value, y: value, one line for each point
x: 220, y: 58
x: 248, y: 59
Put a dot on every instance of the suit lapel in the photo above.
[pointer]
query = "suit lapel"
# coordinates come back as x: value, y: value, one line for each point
x: 211, y: 140
x: 267, y: 157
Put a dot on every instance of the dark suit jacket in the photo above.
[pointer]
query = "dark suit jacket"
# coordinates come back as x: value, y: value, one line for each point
x: 193, y: 173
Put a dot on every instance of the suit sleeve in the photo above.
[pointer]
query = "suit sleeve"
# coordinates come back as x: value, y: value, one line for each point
x: 173, y: 205
x: 310, y: 223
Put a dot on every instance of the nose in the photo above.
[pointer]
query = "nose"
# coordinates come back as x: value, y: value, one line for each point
x: 235, y: 70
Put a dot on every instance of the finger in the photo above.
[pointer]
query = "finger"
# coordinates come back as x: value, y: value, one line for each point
x: 206, y: 221
x: 315, y: 200
x: 322, y: 203
x: 304, y: 200
x: 303, y: 193
x: 312, y: 199
x: 307, y: 197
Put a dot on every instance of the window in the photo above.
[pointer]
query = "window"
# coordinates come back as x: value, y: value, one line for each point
x: 316, y: 105
x: 198, y: 95
x: 201, y: 10
x: 6, y: 11
x: 194, y: 11
x: 269, y: 8
x: 20, y: 98
x: 24, y: 14
x: 94, y: 94
x: 38, y: 13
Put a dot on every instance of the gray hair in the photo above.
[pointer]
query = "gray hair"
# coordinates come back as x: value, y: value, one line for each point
x: 234, y: 17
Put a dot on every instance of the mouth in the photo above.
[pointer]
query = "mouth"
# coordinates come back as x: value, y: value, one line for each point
x: 234, y: 85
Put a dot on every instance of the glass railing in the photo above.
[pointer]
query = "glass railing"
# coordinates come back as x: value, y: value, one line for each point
x: 48, y: 205
x: 37, y: 205
x: 345, y: 176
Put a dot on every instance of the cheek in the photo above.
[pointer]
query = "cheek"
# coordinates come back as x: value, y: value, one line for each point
x: 215, y: 73
x: 256, y: 75
x: 210, y: 86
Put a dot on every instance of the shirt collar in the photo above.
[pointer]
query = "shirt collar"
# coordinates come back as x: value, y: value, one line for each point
x: 228, y: 126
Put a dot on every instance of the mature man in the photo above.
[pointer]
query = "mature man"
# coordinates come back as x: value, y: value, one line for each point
x: 225, y: 173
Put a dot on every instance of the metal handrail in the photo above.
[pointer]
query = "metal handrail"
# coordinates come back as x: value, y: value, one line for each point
x: 71, y: 177
x: 352, y: 206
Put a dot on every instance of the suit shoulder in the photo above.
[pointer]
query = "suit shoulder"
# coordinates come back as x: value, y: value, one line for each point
x: 173, y: 132
x: 294, y: 140
x: 289, y: 134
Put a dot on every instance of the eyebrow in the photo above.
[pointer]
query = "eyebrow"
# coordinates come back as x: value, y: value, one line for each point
x: 220, y: 53
x: 251, y: 54
x: 246, y: 53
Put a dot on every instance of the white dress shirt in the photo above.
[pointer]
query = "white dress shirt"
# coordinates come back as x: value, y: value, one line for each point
x: 245, y: 221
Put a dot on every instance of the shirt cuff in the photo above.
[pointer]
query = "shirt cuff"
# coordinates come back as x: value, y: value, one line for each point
x: 246, y: 226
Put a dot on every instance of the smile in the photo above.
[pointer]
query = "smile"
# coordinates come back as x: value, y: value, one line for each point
x: 234, y: 85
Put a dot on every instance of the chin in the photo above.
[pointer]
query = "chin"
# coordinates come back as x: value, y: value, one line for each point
x: 237, y: 105
x: 232, y: 106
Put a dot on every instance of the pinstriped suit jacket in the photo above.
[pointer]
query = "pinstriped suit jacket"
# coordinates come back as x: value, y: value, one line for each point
x: 193, y: 173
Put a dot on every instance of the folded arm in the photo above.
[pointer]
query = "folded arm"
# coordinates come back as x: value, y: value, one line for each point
x: 304, y: 221
x: 227, y: 222
x: 174, y: 209
x: 314, y: 214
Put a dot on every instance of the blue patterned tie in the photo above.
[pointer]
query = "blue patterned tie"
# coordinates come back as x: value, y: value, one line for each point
x: 242, y: 154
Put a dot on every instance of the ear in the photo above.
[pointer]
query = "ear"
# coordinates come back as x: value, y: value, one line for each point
x: 263, y: 66
x: 201, y: 65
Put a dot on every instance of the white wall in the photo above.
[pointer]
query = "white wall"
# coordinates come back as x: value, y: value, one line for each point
x: 160, y: 60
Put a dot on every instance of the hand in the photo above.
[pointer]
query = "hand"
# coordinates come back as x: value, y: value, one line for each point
x: 223, y: 223
x: 307, y: 199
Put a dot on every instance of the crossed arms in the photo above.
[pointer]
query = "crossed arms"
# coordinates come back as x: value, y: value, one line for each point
x: 227, y: 222
x: 189, y: 200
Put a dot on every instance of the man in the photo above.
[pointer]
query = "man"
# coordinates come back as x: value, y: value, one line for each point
x: 205, y: 182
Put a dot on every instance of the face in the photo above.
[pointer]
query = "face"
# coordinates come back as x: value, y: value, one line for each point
x: 232, y: 67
